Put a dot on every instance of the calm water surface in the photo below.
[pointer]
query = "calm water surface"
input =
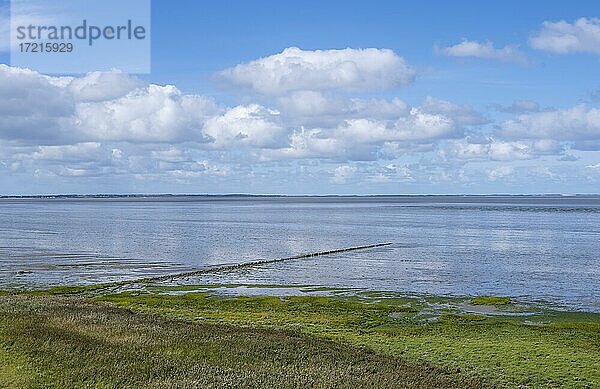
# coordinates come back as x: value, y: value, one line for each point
x: 539, y: 248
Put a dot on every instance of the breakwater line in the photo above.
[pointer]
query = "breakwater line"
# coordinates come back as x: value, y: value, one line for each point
x: 236, y: 266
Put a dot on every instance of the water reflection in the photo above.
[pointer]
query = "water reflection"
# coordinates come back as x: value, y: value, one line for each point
x: 544, y: 249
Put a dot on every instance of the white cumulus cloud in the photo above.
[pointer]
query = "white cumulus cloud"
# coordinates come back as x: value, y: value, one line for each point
x: 102, y: 86
x: 500, y: 172
x: 576, y: 124
x: 343, y: 173
x: 485, y: 50
x: 362, y: 139
x: 348, y: 69
x: 77, y: 152
x: 153, y: 113
x: 112, y: 106
x: 581, y: 36
x: 498, y: 150
x: 246, y: 125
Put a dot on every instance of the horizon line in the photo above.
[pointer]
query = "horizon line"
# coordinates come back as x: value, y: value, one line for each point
x: 140, y: 195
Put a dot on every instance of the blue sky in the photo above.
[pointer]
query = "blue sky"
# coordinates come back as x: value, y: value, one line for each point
x: 307, y: 97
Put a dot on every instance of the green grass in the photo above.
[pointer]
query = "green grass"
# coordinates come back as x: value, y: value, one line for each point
x: 365, y: 340
x: 72, y: 342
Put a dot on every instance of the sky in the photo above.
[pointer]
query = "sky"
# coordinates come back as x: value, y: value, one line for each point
x: 313, y: 97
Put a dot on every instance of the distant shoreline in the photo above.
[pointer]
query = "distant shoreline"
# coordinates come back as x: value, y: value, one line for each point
x: 249, y: 195
x: 560, y: 200
x: 579, y: 199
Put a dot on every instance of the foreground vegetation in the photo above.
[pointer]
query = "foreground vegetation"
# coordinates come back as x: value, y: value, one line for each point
x: 155, y: 337
x: 64, y: 342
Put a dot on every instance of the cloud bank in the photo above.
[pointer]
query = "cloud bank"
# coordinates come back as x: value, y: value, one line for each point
x: 309, y: 114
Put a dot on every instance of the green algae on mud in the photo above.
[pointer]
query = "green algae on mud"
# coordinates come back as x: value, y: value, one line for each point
x: 504, y: 350
x: 491, y: 300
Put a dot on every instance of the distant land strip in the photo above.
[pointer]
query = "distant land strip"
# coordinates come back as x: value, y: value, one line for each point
x: 170, y: 196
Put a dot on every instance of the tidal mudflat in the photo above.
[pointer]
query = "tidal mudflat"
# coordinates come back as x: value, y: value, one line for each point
x: 533, y: 247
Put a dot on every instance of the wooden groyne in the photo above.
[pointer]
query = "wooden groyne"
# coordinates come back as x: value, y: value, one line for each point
x: 219, y: 268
